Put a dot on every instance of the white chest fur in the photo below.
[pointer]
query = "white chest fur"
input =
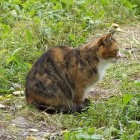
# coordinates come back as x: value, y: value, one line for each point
x: 101, y: 67
x: 103, y: 64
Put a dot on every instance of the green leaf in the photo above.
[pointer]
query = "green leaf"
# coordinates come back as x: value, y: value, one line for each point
x: 83, y: 135
x: 2, y: 51
x: 109, y: 130
x: 28, y: 65
x: 17, y: 7
x: 134, y: 122
x: 29, y: 36
x: 3, y: 91
x: 137, y: 82
x: 72, y: 36
x: 5, y: 97
x: 11, y: 59
x: 127, y: 98
x: 91, y: 130
x: 96, y: 137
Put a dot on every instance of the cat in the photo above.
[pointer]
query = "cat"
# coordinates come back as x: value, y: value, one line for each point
x: 58, y: 80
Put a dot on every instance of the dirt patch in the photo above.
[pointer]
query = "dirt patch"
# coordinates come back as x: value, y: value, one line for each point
x: 23, y: 127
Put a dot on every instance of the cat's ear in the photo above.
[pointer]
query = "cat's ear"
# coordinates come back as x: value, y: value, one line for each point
x: 107, y: 38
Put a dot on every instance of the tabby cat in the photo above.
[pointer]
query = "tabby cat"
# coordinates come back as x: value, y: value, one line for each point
x: 58, y: 80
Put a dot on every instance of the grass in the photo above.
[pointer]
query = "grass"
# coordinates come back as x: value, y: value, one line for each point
x: 29, y: 27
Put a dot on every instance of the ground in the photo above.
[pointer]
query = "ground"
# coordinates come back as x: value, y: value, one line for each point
x: 20, y: 122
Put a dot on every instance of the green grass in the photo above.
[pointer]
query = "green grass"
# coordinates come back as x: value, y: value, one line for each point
x: 28, y: 27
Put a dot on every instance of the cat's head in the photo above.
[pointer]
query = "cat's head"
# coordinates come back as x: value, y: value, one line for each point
x: 108, y: 48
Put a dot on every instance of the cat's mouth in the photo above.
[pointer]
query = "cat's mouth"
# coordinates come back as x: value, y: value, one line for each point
x: 116, y: 59
x: 119, y: 55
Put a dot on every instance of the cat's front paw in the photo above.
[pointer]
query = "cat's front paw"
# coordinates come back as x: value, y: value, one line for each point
x: 80, y: 108
x: 84, y: 106
x: 86, y: 102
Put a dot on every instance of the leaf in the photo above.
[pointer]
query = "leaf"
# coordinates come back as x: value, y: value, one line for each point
x: 96, y: 137
x: 12, y: 59
x: 29, y: 36
x: 2, y: 91
x: 91, y: 130
x: 127, y: 98
x: 72, y: 36
x: 33, y: 130
x: 137, y: 82
x: 2, y: 51
x: 6, y: 28
x: 134, y: 122
x: 18, y: 92
x: 17, y: 7
x: 5, y: 97
x: 64, y: 131
x: 83, y: 135
x: 109, y: 130
x: 104, y: 2
x: 31, y: 138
